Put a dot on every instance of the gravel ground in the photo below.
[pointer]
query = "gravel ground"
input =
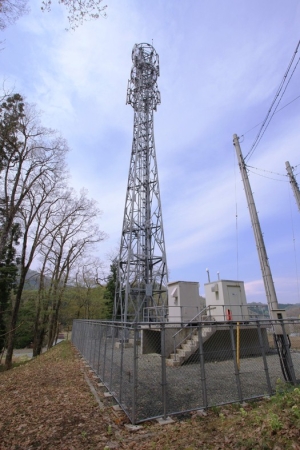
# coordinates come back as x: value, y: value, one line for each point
x: 183, y: 387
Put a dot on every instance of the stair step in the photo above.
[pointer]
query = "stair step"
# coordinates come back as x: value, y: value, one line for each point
x: 172, y: 363
x: 184, y: 353
x: 177, y: 357
x: 188, y: 347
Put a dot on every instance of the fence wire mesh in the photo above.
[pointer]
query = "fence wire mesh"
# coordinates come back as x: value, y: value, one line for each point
x: 160, y: 369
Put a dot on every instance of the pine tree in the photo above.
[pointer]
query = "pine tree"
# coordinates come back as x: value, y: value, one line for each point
x: 109, y: 294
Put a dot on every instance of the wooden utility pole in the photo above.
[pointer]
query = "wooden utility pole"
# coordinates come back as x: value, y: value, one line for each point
x: 261, y: 249
x: 293, y: 182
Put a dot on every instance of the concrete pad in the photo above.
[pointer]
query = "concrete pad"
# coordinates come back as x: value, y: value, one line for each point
x: 130, y: 427
x: 107, y: 394
x: 123, y: 344
x: 166, y: 421
x: 117, y: 408
x: 101, y: 385
x: 201, y: 412
x: 93, y: 390
x: 131, y: 341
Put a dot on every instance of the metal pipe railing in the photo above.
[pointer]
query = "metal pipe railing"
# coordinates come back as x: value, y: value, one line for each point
x: 186, y: 325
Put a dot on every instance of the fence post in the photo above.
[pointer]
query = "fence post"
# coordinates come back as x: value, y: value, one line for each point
x: 135, y: 373
x: 99, y: 349
x: 95, y: 336
x: 85, y: 340
x: 89, y: 342
x: 74, y: 338
x: 163, y: 370
x: 112, y: 355
x: 288, y: 354
x: 81, y: 337
x: 121, y: 365
x: 263, y: 353
x: 236, y: 370
x: 202, y: 366
x: 104, y: 356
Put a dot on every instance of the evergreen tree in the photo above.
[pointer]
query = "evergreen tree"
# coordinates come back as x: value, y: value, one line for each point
x: 109, y: 294
x: 11, y: 110
x: 8, y: 277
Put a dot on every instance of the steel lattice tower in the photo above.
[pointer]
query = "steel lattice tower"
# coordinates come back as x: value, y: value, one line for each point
x: 141, y: 291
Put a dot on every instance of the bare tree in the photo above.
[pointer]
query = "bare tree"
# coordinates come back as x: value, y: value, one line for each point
x: 85, y: 279
x: 11, y: 10
x: 78, y: 11
x: 72, y: 232
x: 31, y: 156
x: 32, y: 172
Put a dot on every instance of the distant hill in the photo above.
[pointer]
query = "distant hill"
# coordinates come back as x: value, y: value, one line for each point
x: 292, y: 309
x: 33, y: 280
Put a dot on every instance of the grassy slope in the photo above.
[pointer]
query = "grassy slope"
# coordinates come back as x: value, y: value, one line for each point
x: 46, y: 404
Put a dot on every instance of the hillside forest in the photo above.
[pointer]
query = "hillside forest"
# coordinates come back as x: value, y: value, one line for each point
x: 46, y: 225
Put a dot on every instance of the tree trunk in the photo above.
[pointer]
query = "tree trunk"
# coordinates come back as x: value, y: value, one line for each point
x: 40, y: 340
x: 13, y: 322
x: 53, y: 324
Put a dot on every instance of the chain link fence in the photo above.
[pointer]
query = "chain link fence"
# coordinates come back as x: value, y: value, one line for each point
x: 159, y: 369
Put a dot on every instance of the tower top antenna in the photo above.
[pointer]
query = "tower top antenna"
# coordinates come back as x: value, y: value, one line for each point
x: 142, y: 91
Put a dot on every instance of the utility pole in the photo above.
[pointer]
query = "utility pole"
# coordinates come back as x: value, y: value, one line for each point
x: 280, y: 338
x: 142, y: 277
x: 261, y: 249
x: 293, y: 182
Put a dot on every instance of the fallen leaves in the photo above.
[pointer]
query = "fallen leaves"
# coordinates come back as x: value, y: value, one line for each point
x: 47, y: 404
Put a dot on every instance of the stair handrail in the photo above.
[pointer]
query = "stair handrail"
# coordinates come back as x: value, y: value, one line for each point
x: 192, y: 320
x: 186, y: 325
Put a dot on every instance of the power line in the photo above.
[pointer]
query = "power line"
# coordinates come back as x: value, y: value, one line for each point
x: 264, y: 176
x: 257, y: 125
x: 258, y: 141
x: 268, y: 171
x: 287, y: 104
x: 269, y: 117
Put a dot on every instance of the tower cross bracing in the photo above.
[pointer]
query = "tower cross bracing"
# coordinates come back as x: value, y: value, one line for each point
x: 141, y: 292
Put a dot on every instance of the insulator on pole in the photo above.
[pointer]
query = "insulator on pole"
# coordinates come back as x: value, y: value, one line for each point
x: 293, y: 182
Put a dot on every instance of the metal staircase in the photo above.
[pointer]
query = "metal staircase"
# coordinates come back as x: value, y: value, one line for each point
x: 190, y: 343
x: 189, y: 346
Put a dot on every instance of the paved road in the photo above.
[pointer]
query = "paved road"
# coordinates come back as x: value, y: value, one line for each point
x: 27, y: 352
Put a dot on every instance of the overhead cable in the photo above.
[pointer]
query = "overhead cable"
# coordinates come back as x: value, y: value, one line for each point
x: 264, y: 176
x: 268, y: 171
x: 272, y: 111
x: 277, y: 111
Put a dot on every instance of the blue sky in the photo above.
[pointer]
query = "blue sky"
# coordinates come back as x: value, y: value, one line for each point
x: 221, y: 62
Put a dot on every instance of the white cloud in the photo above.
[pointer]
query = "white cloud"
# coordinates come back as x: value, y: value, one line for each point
x: 221, y: 63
